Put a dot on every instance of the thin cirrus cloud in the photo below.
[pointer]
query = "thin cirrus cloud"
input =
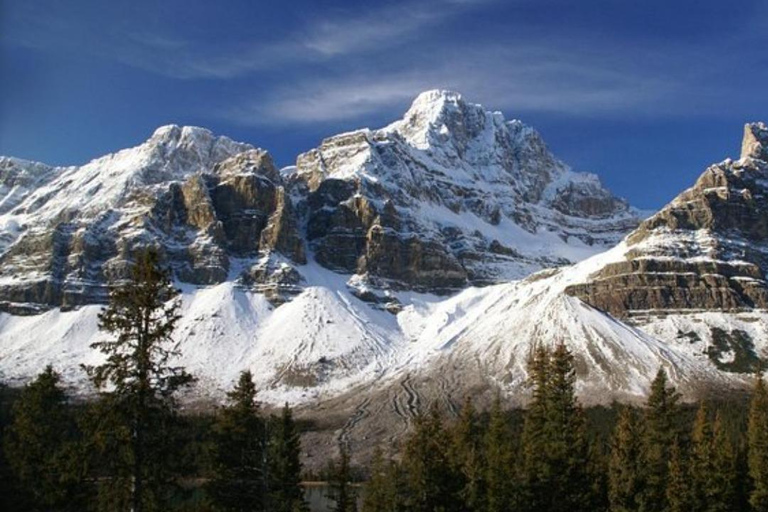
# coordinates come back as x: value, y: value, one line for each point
x: 527, y: 77
x: 344, y: 65
x: 324, y: 38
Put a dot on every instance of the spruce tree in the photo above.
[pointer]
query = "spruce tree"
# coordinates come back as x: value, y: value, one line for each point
x: 567, y: 445
x: 466, y: 454
x: 661, y: 431
x: 702, y: 458
x: 625, y: 465
x: 758, y: 446
x: 554, y: 436
x: 238, y: 451
x: 381, y: 493
x: 501, y: 482
x: 722, y: 493
x: 534, y: 437
x: 341, y: 493
x: 138, y: 384
x: 431, y: 481
x: 284, y: 490
x: 40, y: 445
x: 678, y: 490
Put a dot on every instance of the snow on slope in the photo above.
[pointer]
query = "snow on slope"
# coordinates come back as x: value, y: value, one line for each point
x: 326, y: 341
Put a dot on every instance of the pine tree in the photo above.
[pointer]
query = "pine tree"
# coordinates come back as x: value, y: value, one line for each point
x: 702, y: 458
x: 381, y: 491
x: 40, y: 445
x: 624, y: 469
x: 431, y: 481
x: 554, y: 436
x: 500, y: 478
x: 661, y: 431
x: 722, y: 485
x: 758, y: 446
x: 342, y: 494
x: 678, y: 488
x: 534, y: 437
x: 239, y: 451
x: 138, y: 385
x: 466, y: 457
x: 284, y: 490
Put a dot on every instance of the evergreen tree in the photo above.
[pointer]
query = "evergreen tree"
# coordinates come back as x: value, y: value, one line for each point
x: 624, y: 470
x: 342, y: 494
x: 40, y: 445
x: 722, y: 486
x: 239, y: 451
x: 534, y: 437
x: 661, y: 431
x: 500, y: 478
x: 381, y: 491
x: 431, y: 481
x: 138, y: 384
x: 285, y: 493
x: 466, y: 455
x: 554, y: 437
x: 702, y: 459
x: 758, y: 446
x: 678, y: 489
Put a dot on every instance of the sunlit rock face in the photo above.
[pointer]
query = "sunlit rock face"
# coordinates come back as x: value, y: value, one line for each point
x: 451, y: 195
x: 706, y: 250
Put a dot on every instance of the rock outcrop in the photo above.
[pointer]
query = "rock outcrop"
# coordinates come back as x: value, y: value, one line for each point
x: 202, y: 201
x: 450, y: 196
x: 706, y: 250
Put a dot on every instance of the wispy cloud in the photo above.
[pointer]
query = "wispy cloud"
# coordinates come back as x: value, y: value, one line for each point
x: 523, y: 77
x: 337, y: 35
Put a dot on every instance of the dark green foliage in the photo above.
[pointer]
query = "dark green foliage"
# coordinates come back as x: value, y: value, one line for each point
x: 433, y: 485
x: 554, y: 441
x: 284, y: 465
x: 342, y: 494
x: 466, y: 453
x: 745, y: 360
x: 384, y: 487
x: 238, y: 451
x: 662, y: 419
x: 713, y: 465
x: 679, y: 493
x: 625, y: 466
x: 40, y: 445
x: 134, y: 424
x: 502, y: 484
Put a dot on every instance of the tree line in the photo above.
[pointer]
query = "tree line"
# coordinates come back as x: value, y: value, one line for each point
x: 131, y: 448
x: 654, y: 459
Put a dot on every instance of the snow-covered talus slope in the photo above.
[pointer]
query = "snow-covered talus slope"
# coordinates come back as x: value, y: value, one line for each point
x: 326, y: 342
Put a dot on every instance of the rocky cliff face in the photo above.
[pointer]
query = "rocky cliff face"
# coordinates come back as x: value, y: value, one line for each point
x: 706, y: 250
x: 204, y: 202
x: 449, y: 196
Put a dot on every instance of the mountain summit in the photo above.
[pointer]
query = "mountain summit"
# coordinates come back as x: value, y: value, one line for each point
x: 394, y: 267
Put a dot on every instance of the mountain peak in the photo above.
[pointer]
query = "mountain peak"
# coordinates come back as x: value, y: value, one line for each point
x: 755, y: 142
x: 432, y: 111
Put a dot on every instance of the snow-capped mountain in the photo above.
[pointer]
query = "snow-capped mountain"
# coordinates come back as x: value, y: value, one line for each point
x: 451, y: 195
x: 347, y: 282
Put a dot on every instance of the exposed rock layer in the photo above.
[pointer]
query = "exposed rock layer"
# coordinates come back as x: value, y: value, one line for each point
x: 706, y: 250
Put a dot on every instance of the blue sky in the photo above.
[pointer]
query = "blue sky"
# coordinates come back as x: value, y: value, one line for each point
x: 644, y: 93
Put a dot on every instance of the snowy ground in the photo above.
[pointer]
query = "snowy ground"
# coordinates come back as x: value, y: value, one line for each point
x: 326, y: 341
